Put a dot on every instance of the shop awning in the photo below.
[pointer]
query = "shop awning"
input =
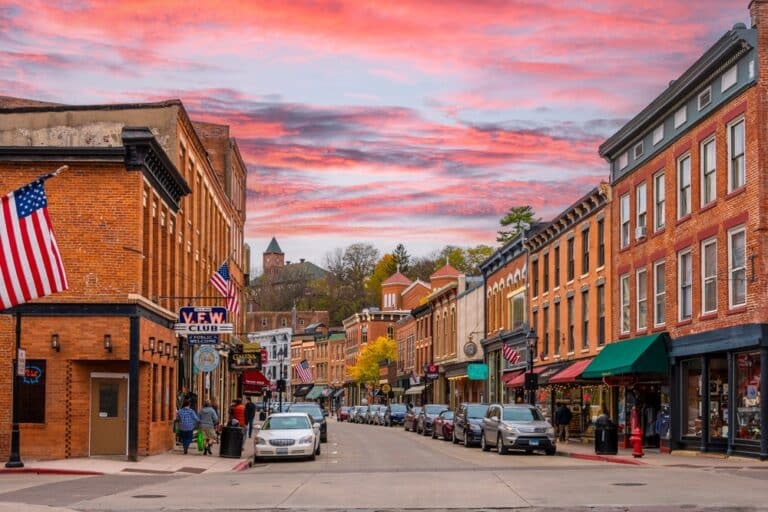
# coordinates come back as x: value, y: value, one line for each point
x: 338, y: 393
x: 570, y: 374
x: 507, y: 377
x: 327, y: 392
x: 551, y: 370
x: 253, y: 381
x: 519, y: 380
x: 645, y: 354
x: 302, y: 389
x: 316, y: 392
x: 414, y: 390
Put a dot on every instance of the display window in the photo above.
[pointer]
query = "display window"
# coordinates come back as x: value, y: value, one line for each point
x: 595, y: 398
x: 718, y: 398
x: 692, y: 411
x: 747, y: 396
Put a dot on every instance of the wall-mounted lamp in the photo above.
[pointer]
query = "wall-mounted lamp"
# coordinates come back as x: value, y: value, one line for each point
x: 151, y: 347
x: 175, y: 352
x: 108, y: 343
x: 167, y: 350
x: 55, y: 342
x: 160, y: 347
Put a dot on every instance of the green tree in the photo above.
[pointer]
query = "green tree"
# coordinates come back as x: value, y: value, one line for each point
x: 517, y: 219
x: 474, y: 257
x: 402, y: 258
x: 385, y: 267
x: 366, y: 370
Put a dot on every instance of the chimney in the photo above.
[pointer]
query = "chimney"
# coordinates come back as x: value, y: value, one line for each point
x: 301, y: 260
x: 757, y: 11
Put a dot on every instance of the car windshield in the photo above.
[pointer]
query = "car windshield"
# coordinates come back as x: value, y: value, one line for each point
x: 312, y: 410
x: 448, y: 415
x: 522, y: 414
x: 286, y: 423
x: 397, y: 408
x: 416, y: 410
x: 435, y: 409
x: 476, y: 411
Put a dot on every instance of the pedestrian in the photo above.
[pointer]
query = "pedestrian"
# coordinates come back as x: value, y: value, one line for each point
x: 563, y: 418
x: 237, y: 411
x: 250, y: 414
x: 187, y: 422
x: 209, y: 418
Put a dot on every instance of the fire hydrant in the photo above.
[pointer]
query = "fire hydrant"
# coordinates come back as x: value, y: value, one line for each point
x: 636, y: 438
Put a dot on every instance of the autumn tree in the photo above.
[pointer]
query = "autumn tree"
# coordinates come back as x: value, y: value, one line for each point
x: 366, y: 370
x: 516, y: 220
x: 385, y: 267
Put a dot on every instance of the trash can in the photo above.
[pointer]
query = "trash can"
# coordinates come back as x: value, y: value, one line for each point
x: 231, y: 442
x: 262, y: 415
x: 606, y: 439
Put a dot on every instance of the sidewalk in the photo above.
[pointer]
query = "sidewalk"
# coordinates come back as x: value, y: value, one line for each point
x: 170, y: 462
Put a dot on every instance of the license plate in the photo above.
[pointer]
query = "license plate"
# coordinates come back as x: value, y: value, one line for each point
x: 533, y: 442
x: 282, y: 451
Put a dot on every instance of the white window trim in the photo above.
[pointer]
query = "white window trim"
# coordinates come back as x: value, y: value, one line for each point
x: 704, y: 244
x: 683, y: 112
x: 730, y: 125
x: 686, y: 252
x: 732, y: 232
x: 657, y: 226
x: 624, y: 303
x: 638, y: 213
x: 637, y: 150
x: 638, y: 326
x: 701, y: 170
x: 679, y: 190
x: 623, y: 160
x: 656, y: 293
x: 724, y: 86
x: 706, y: 91
x: 623, y: 221
x: 658, y: 134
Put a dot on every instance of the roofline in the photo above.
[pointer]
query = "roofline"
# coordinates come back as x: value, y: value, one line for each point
x: 58, y: 107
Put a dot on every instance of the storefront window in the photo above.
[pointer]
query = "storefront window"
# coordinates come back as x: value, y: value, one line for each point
x: 748, y: 396
x: 692, y: 398
x: 718, y: 398
x: 663, y: 421
x: 595, y: 398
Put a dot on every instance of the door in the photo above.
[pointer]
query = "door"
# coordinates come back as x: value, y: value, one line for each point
x: 109, y: 416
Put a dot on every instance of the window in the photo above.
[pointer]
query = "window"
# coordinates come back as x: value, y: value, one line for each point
x: 284, y: 322
x: 624, y: 220
x: 557, y: 266
x: 546, y: 273
x: 545, y: 339
x: 263, y: 322
x: 30, y: 393
x: 684, y: 186
x: 601, y: 315
x: 557, y: 328
x: 535, y: 272
x: 571, y: 321
x: 585, y: 251
x: 708, y: 177
x: 518, y: 310
x: 659, y: 293
x: 624, y: 290
x: 641, y: 207
x: 729, y: 79
x: 623, y: 160
x: 658, y: 134
x: 705, y: 97
x: 737, y: 267
x: 637, y: 151
x: 570, y: 259
x: 681, y: 116
x: 709, y: 276
x: 685, y: 279
x: 659, y: 201
x: 736, y: 171
x: 642, y: 298
x: 535, y: 320
x: 600, y: 243
x: 391, y: 332
x: 585, y: 319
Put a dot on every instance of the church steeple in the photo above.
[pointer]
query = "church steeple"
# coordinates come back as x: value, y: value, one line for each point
x: 273, y: 258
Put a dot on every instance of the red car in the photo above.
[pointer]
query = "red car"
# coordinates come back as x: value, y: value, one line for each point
x: 443, y: 426
x: 343, y: 414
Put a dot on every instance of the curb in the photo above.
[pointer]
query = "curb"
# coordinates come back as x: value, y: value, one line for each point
x: 49, y: 471
x: 602, y: 458
x: 242, y: 465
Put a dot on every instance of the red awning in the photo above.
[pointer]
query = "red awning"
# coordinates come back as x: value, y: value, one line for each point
x: 519, y: 380
x: 510, y: 375
x: 571, y: 373
x: 253, y: 381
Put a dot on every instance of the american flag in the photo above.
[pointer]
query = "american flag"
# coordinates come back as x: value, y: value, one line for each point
x: 303, y: 371
x: 510, y: 354
x: 30, y: 263
x: 221, y: 281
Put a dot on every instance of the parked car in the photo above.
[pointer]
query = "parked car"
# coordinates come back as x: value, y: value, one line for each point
x: 467, y: 423
x: 358, y: 416
x: 410, y: 418
x: 395, y: 414
x: 443, y: 426
x: 343, y: 414
x: 517, y: 427
x: 315, y: 412
x: 287, y: 434
x: 372, y: 418
x: 427, y: 416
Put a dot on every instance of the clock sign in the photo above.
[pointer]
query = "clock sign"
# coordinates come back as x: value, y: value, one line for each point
x: 470, y: 348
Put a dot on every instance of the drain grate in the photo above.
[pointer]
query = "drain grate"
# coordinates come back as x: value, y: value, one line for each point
x: 149, y: 496
x: 629, y: 484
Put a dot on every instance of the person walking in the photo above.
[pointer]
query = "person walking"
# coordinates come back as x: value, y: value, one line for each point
x: 563, y: 418
x: 188, y: 420
x: 250, y: 414
x: 209, y: 418
x: 237, y: 411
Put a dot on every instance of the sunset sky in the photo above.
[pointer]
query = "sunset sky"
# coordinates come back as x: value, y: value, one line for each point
x: 421, y: 122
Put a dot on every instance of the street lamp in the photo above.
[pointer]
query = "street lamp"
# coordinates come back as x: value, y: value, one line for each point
x: 530, y: 381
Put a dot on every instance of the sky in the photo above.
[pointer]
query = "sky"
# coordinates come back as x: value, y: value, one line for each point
x: 414, y: 122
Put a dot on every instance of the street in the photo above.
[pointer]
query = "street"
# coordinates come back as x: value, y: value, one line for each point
x: 370, y: 467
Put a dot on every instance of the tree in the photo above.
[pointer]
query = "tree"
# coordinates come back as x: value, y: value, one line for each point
x: 518, y: 218
x: 366, y: 370
x: 385, y: 267
x: 402, y: 258
x: 475, y: 256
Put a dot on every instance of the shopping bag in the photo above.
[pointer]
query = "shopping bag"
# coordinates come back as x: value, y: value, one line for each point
x: 200, y: 441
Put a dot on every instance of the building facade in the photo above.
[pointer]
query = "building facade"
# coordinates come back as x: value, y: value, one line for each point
x: 465, y: 385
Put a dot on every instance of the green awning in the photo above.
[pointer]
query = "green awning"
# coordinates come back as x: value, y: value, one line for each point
x: 316, y: 392
x: 645, y: 354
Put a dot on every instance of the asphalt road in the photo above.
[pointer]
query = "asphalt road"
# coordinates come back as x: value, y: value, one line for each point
x: 376, y: 468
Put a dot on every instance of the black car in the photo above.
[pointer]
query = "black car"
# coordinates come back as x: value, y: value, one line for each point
x: 427, y: 417
x: 395, y: 414
x: 467, y: 422
x: 315, y: 412
x: 410, y: 418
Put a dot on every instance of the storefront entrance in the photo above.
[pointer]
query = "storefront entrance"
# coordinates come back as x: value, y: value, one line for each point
x: 109, y: 414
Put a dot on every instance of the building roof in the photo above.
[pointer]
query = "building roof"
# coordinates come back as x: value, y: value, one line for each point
x: 13, y: 102
x: 337, y: 336
x: 396, y: 278
x: 273, y: 247
x: 417, y: 282
x: 445, y: 271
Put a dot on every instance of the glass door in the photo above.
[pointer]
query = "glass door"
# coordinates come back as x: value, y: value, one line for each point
x: 718, y: 398
x: 692, y: 398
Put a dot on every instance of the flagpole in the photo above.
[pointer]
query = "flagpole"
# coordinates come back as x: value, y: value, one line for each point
x: 14, y: 458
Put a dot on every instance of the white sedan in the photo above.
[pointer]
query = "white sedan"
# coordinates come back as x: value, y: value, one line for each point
x: 287, y: 434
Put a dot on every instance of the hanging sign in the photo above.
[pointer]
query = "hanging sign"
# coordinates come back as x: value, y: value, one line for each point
x: 203, y: 339
x: 203, y: 320
x: 206, y: 358
x: 21, y: 362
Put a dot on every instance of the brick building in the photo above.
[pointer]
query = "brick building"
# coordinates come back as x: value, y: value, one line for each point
x: 463, y: 384
x: 690, y: 249
x: 149, y: 209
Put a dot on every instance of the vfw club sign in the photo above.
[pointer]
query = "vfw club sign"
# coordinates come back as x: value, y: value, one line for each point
x: 202, y: 325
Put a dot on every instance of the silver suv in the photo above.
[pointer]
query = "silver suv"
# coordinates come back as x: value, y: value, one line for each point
x: 516, y: 427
